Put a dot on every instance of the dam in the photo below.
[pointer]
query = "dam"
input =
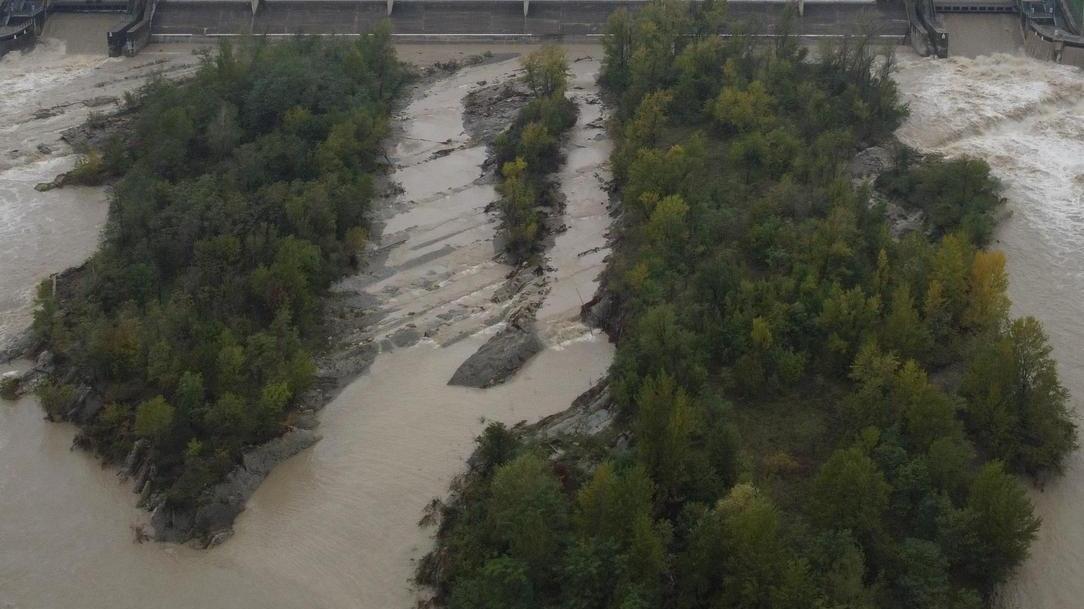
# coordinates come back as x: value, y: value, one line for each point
x: 137, y: 22
x: 1046, y: 29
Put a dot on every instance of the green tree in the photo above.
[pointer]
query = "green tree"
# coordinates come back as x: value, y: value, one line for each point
x: 850, y: 492
x: 903, y: 331
x: 664, y: 425
x: 1016, y: 404
x: 503, y: 583
x: 527, y: 512
x: 990, y: 535
x: 153, y: 419
x: 617, y: 44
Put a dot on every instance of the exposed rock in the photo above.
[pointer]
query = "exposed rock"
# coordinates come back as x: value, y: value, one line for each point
x: 901, y: 222
x: 131, y: 462
x: 515, y: 283
x: 17, y: 346
x: 44, y: 149
x: 88, y: 408
x: 591, y: 414
x: 211, y: 521
x: 600, y: 311
x: 499, y: 358
x: 101, y: 100
x: 490, y: 109
x: 83, y: 395
x: 44, y: 362
x: 57, y: 182
x: 97, y: 131
x: 405, y: 337
x: 870, y: 163
x: 44, y: 113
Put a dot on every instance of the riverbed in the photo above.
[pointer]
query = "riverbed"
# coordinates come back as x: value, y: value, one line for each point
x: 337, y: 526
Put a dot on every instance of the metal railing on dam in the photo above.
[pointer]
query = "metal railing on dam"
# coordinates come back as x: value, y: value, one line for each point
x: 20, y: 22
x: 493, y: 19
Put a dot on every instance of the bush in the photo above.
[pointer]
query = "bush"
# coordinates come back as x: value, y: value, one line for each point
x: 56, y: 398
x: 90, y: 170
x: 9, y: 387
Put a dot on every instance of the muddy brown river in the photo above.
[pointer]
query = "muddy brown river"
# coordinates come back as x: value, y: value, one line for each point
x: 336, y: 527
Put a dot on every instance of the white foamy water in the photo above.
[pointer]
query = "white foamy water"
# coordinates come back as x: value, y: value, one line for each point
x: 335, y: 527
x: 44, y: 233
x: 1026, y: 118
x: 40, y: 233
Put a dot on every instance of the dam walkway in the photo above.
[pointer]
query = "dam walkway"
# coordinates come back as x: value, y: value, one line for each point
x: 488, y: 19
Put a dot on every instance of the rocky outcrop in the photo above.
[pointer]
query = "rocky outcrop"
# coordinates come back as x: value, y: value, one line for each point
x: 602, y: 312
x: 490, y: 109
x: 499, y: 358
x: 211, y: 520
x: 16, y: 347
x: 902, y: 221
x: 864, y: 170
x: 870, y: 163
x: 591, y: 414
x: 98, y: 130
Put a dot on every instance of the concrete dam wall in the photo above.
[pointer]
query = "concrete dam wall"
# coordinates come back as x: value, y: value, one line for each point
x: 493, y: 19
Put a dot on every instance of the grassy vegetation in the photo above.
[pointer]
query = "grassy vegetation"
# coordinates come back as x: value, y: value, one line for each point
x: 530, y: 150
x: 240, y: 196
x: 783, y: 363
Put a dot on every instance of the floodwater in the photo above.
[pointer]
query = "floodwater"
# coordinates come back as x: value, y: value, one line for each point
x: 974, y: 35
x: 1026, y: 118
x: 44, y: 233
x: 337, y: 526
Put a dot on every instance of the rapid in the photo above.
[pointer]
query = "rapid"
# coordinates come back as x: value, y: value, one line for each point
x: 1025, y: 117
x: 338, y: 525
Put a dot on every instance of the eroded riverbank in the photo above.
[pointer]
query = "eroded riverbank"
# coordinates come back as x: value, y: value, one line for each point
x: 337, y: 525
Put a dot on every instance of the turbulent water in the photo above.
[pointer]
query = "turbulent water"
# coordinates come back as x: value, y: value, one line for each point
x: 1026, y: 118
x: 40, y: 233
x: 337, y: 526
x: 42, y: 93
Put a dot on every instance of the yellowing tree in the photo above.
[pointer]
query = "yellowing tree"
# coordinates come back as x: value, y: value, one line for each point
x: 546, y: 71
x: 987, y: 303
x: 743, y: 111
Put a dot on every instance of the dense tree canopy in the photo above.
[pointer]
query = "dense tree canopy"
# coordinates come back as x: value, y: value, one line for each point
x: 879, y: 402
x: 241, y: 194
